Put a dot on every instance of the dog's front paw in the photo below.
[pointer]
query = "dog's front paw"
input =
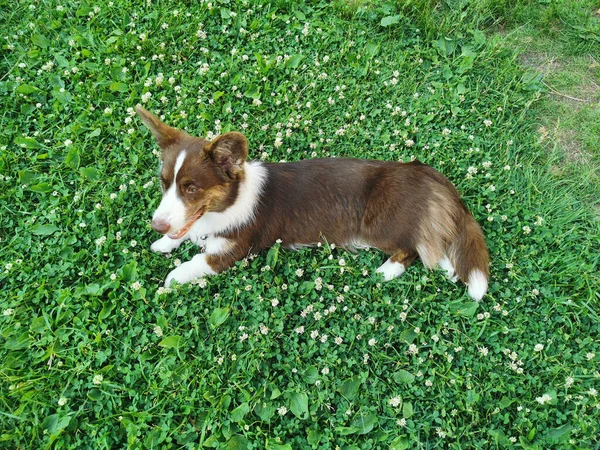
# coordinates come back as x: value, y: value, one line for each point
x: 165, y: 245
x: 179, y: 275
x: 190, y: 270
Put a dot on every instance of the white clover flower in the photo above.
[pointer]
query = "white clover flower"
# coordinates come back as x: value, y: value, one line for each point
x: 136, y: 286
x: 158, y: 331
x: 282, y: 410
x: 487, y: 122
x: 543, y: 399
x: 538, y: 347
x: 62, y: 401
x: 97, y: 380
x: 395, y: 401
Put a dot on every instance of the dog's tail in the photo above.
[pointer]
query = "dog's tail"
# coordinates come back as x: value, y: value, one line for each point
x: 468, y: 254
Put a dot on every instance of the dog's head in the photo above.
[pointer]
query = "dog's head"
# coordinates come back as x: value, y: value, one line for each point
x: 197, y: 175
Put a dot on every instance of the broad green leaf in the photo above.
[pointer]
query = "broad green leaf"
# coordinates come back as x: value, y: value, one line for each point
x: 27, y: 142
x: 300, y: 15
x: 314, y: 436
x: 408, y: 335
x: 42, y: 187
x: 218, y: 316
x: 371, y: 48
x: 72, y: 159
x: 299, y: 404
x: 18, y: 342
x: 107, y: 308
x: 499, y: 436
x: 44, y: 230
x: 345, y: 431
x: 294, y: 61
x: 306, y: 287
x: 26, y: 176
x: 129, y: 271
x: 349, y: 388
x: 55, y: 423
x: 96, y: 132
x: 365, y: 423
x: 264, y: 411
x: 407, y: 410
x: 237, y: 442
x: 171, y: 342
x: 560, y: 433
x: 271, y: 445
x: 117, y: 86
x: 445, y: 46
x: 252, y: 92
x: 273, y: 256
x: 39, y: 325
x: 91, y: 173
x: 390, y: 20
x: 40, y: 40
x: 238, y: 413
x: 400, y: 443
x: 26, y: 89
x: 310, y: 375
x: 94, y: 394
x: 403, y: 376
x: 465, y: 309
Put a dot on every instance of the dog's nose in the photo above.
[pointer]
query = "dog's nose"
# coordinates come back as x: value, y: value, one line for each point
x: 160, y: 225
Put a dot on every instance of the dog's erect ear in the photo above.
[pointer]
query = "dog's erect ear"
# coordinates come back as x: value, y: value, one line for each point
x: 229, y: 151
x: 164, y: 134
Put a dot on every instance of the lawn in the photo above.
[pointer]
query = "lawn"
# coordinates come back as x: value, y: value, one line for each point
x: 289, y: 350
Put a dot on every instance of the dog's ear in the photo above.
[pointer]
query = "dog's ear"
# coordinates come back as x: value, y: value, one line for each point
x: 164, y: 134
x: 229, y: 151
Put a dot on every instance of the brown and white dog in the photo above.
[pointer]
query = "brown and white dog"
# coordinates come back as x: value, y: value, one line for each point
x: 230, y: 206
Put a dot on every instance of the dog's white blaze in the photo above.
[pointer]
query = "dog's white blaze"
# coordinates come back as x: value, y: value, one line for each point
x: 391, y: 269
x: 197, y: 267
x: 217, y: 245
x: 478, y: 284
x: 243, y: 209
x: 171, y: 208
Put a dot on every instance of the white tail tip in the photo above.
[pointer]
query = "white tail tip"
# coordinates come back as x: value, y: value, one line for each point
x: 478, y: 284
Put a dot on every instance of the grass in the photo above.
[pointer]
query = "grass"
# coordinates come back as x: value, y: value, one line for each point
x: 288, y: 349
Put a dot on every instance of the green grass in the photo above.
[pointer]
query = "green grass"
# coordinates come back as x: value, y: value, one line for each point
x: 94, y: 355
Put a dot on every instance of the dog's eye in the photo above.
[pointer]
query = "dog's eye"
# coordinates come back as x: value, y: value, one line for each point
x: 191, y: 189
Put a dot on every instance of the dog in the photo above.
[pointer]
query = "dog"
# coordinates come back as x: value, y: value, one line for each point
x: 230, y: 206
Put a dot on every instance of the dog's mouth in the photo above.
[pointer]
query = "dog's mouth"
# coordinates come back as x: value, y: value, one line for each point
x: 182, y: 231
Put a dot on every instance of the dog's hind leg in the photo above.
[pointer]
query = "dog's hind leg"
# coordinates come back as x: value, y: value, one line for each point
x: 396, y: 264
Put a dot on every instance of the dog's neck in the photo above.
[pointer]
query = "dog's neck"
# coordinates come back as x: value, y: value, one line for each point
x: 243, y: 209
